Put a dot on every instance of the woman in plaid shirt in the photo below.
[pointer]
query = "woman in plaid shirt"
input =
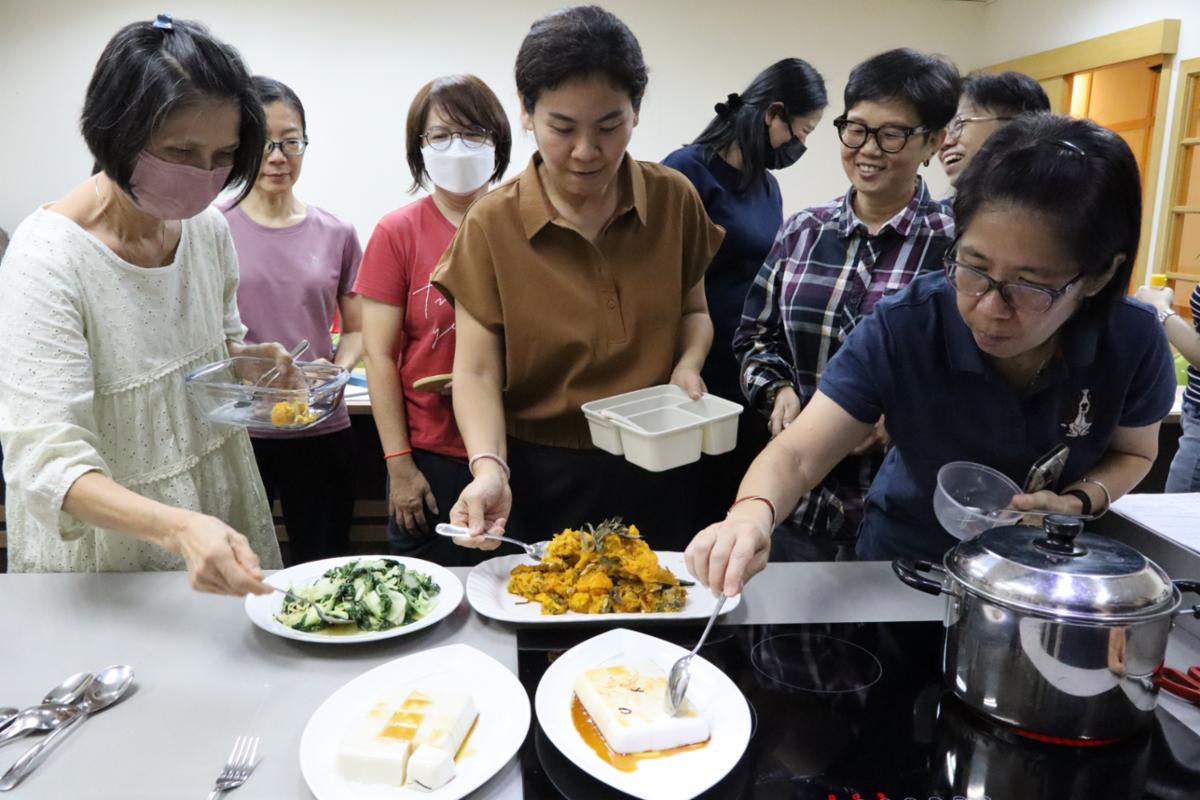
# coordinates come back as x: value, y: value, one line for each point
x: 831, y: 264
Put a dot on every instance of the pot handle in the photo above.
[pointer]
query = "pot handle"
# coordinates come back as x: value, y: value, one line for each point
x: 911, y: 572
x: 1194, y: 588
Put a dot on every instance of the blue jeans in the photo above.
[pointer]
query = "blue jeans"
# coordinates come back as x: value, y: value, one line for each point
x: 1185, y: 467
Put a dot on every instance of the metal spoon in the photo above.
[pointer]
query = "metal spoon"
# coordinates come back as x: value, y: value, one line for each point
x: 110, y: 685
x: 38, y: 719
x: 273, y: 373
x: 6, y: 716
x: 56, y: 708
x: 536, y: 551
x: 321, y: 613
x: 677, y: 680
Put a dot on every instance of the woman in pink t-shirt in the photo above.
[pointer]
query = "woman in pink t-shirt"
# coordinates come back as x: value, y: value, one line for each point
x: 459, y: 139
x: 297, y: 265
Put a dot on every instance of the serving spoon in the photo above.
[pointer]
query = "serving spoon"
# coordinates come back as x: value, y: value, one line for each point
x: 536, y: 551
x: 109, y: 686
x: 55, y: 709
x: 677, y: 680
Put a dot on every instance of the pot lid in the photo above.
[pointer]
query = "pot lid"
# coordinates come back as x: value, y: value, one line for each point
x: 1060, y: 571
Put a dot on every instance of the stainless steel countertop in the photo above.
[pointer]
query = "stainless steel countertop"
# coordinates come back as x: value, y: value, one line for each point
x: 205, y: 674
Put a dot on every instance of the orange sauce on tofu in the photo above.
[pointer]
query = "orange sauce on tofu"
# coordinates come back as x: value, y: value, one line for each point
x: 626, y: 762
x: 401, y: 732
x: 462, y: 748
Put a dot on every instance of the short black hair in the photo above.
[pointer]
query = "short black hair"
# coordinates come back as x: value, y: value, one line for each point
x: 272, y: 91
x: 579, y: 42
x: 794, y: 83
x: 465, y: 100
x: 1081, y: 177
x: 148, y: 71
x: 927, y: 82
x: 1009, y: 93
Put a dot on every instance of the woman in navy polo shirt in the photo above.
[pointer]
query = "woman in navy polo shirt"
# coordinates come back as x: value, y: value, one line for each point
x: 764, y: 128
x: 1024, y: 342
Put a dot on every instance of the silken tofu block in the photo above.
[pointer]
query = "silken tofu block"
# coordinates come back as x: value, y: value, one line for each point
x: 628, y: 706
x: 447, y: 722
x: 367, y: 757
x: 430, y: 767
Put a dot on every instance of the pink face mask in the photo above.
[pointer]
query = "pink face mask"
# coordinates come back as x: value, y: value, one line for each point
x: 175, y: 191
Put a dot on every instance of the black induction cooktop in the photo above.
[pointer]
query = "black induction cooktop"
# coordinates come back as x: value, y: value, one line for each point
x: 858, y: 712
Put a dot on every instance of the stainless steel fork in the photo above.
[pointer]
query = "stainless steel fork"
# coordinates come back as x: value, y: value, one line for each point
x: 238, y: 767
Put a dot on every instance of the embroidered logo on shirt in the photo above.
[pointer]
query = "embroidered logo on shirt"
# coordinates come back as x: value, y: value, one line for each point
x: 1081, y: 425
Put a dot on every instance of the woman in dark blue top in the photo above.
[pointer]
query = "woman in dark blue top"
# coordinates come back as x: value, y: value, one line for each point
x: 761, y: 129
x: 1026, y: 341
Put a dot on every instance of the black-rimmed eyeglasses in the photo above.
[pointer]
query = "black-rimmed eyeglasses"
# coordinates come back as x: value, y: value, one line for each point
x: 289, y: 147
x: 890, y: 138
x: 1019, y: 296
x: 955, y: 129
x: 440, y: 138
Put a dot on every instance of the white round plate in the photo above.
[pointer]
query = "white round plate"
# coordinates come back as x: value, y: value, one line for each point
x: 499, y: 697
x: 262, y: 608
x: 487, y: 591
x: 676, y: 777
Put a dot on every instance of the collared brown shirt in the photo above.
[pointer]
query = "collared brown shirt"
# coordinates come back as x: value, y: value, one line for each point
x: 580, y: 320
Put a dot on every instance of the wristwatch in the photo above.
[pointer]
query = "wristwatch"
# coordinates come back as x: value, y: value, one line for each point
x: 771, y: 392
x: 1165, y: 314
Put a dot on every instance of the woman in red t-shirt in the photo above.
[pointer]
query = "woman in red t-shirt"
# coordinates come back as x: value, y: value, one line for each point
x: 459, y: 139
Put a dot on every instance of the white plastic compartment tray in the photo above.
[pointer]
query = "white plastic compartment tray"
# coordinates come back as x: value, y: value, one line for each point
x: 660, y: 427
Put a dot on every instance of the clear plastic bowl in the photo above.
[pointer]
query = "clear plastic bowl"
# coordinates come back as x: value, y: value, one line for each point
x: 228, y: 392
x: 970, y: 497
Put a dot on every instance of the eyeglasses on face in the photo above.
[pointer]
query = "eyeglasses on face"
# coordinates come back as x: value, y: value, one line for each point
x: 439, y: 138
x: 289, y: 147
x: 890, y: 138
x: 1019, y: 296
x: 955, y: 129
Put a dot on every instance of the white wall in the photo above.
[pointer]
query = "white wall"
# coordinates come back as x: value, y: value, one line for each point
x: 1015, y: 28
x: 357, y: 63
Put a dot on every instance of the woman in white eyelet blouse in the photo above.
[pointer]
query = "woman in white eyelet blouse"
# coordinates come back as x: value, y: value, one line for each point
x: 91, y: 374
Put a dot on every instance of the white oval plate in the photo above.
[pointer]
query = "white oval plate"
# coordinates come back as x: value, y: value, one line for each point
x: 261, y: 609
x: 499, y: 697
x: 675, y: 777
x: 487, y: 591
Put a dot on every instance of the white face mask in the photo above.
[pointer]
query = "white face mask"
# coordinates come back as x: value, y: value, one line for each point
x: 459, y: 169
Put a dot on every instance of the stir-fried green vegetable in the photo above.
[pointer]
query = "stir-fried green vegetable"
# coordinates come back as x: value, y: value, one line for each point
x: 377, y: 594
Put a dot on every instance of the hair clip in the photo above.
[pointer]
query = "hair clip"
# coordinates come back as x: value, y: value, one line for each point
x: 164, y: 22
x: 1070, y: 146
x: 732, y: 103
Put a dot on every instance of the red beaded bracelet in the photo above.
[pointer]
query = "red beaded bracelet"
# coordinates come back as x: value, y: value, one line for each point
x: 397, y: 454
x: 770, y: 505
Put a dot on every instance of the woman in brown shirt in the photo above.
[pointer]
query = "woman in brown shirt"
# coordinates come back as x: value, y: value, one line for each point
x: 580, y: 279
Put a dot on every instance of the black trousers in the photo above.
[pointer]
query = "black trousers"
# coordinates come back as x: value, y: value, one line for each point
x: 313, y: 478
x: 560, y: 487
x: 447, y: 478
x: 721, y: 475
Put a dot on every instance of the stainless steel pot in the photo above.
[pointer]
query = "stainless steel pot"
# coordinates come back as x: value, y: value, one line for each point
x: 1052, y: 630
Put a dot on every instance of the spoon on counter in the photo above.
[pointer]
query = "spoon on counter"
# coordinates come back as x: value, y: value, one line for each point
x: 536, y: 551
x: 56, y: 708
x: 109, y: 686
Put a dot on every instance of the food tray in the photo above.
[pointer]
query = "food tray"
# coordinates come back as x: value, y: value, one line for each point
x: 660, y: 428
x: 226, y: 392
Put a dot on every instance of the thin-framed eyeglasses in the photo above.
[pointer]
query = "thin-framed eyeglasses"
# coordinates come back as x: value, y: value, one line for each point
x: 289, y: 147
x: 890, y: 138
x: 1019, y: 296
x: 473, y: 138
x: 955, y: 129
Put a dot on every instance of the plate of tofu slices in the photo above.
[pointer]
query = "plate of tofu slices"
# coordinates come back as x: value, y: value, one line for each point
x: 436, y: 724
x: 603, y: 705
